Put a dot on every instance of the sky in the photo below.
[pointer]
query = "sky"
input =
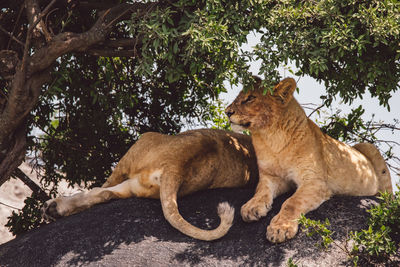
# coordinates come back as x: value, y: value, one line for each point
x: 310, y: 91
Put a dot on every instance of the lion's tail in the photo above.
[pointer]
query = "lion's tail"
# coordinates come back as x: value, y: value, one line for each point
x: 379, y: 164
x: 168, y: 197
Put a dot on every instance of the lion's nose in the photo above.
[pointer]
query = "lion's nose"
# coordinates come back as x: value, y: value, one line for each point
x: 229, y: 113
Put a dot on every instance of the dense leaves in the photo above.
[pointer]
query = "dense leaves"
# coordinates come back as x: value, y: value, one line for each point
x: 351, y: 46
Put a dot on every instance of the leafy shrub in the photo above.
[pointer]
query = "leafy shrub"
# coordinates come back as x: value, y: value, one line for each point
x: 376, y: 244
x: 26, y: 219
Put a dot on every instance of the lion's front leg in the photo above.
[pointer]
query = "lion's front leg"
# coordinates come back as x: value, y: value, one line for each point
x: 308, y: 197
x: 267, y: 189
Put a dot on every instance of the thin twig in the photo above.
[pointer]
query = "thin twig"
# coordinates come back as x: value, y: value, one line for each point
x: 318, y: 108
x: 387, y: 142
x: 15, y: 26
x: 384, y: 125
x: 45, y: 21
x: 12, y: 36
x: 1, y: 203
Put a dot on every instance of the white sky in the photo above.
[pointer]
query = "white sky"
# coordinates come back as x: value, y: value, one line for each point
x: 310, y: 91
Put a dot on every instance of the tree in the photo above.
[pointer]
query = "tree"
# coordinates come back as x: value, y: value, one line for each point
x: 163, y: 51
x: 81, y: 80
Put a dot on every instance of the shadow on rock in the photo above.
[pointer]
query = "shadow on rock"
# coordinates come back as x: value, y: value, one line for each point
x: 133, y: 232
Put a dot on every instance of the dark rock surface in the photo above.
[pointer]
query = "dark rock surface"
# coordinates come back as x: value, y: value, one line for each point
x: 133, y: 232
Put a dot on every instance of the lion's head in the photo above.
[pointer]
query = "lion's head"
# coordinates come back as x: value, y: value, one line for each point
x: 254, y: 109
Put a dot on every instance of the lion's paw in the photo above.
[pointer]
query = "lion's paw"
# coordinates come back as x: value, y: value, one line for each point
x: 254, y: 209
x: 281, y: 230
x: 49, y: 210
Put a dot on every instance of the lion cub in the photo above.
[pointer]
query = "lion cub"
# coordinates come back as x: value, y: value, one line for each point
x: 166, y: 166
x: 292, y: 151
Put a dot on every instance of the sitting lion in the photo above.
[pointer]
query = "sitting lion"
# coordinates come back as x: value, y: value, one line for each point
x: 292, y: 151
x: 165, y: 166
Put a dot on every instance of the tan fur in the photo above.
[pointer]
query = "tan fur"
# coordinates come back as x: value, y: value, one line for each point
x: 164, y: 166
x: 292, y: 151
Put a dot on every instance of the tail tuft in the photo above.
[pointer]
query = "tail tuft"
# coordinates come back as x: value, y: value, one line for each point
x: 226, y: 212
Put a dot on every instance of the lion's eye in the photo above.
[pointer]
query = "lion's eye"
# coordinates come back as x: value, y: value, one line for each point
x: 248, y: 99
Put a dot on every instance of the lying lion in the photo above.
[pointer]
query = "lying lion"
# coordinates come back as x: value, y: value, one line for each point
x: 164, y: 166
x: 292, y: 151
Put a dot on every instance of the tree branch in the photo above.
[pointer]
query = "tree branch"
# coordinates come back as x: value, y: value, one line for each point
x: 34, y: 71
x: 110, y: 52
x: 18, y: 173
x: 69, y: 42
x: 109, y: 48
x: 123, y: 42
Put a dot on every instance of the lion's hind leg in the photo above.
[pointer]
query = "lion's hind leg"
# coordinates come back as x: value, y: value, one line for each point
x: 379, y: 164
x: 65, y: 206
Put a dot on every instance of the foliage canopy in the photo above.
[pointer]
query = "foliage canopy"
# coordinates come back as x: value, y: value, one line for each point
x: 351, y: 46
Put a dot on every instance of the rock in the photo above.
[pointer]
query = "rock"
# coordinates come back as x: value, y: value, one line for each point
x: 133, y: 232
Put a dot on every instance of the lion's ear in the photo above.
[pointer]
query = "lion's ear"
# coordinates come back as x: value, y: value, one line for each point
x: 283, y: 91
